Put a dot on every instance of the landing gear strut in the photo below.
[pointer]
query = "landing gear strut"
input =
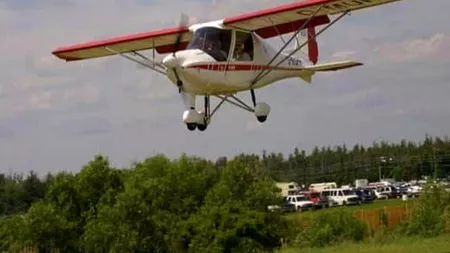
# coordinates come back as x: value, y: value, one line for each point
x: 201, y: 119
x: 195, y: 119
x: 204, y: 117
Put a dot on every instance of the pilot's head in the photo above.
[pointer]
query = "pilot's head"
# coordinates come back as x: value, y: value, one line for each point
x: 212, y: 43
x: 240, y: 47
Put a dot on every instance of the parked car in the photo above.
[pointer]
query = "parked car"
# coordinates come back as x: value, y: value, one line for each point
x: 318, y: 200
x: 365, y: 195
x: 388, y: 191
x: 342, y: 196
x: 301, y: 202
x: 286, y: 207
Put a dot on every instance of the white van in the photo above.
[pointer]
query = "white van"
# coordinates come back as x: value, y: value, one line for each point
x: 301, y: 202
x: 342, y: 197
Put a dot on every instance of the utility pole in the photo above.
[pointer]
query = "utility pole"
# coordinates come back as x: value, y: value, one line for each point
x: 434, y: 164
x: 379, y: 172
x: 382, y: 160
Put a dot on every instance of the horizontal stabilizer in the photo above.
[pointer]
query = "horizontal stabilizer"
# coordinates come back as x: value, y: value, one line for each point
x: 334, y: 66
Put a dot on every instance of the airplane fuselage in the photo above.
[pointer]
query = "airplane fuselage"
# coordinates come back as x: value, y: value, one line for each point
x: 203, y: 74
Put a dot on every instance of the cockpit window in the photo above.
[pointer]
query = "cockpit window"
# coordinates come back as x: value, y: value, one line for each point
x: 213, y: 41
x: 243, y: 49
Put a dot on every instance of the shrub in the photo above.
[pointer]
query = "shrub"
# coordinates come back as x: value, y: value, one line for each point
x: 429, y: 215
x: 330, y: 228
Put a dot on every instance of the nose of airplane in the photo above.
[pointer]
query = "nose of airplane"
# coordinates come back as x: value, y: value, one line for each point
x: 171, y: 61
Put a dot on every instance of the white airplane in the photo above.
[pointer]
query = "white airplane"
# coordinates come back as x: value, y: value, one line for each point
x: 224, y: 57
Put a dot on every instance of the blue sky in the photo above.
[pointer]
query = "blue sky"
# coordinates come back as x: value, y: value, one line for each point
x: 57, y: 116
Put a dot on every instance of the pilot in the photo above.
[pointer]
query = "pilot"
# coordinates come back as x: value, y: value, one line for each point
x: 240, y: 54
x: 214, y: 46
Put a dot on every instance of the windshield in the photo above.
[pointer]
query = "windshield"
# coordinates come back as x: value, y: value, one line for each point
x: 314, y: 195
x: 301, y: 198
x: 213, y: 41
x: 348, y: 192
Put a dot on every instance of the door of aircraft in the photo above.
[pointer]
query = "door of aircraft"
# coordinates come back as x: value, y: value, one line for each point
x: 241, y: 64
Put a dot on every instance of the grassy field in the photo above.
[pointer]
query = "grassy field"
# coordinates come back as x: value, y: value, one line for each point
x: 377, y: 204
x: 404, y: 245
x: 396, y: 211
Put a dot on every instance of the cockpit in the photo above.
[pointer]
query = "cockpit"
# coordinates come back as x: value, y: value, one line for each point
x: 217, y: 43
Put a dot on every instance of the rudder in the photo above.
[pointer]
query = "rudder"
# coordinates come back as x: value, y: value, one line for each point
x: 311, y: 49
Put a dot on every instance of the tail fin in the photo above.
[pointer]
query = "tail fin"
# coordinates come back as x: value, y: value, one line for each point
x: 311, y: 49
x: 333, y: 66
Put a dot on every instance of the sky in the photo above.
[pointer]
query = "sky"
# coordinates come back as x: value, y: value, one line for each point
x: 57, y: 116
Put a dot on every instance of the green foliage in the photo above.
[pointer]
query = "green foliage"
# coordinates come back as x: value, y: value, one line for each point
x: 429, y: 216
x: 190, y: 204
x: 233, y: 218
x: 329, y: 228
x: 42, y: 227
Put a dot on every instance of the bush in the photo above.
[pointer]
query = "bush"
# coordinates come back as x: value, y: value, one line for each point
x: 329, y: 228
x: 429, y: 216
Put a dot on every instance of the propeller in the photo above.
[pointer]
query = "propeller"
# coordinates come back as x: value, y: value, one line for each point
x: 184, y: 19
x: 171, y: 62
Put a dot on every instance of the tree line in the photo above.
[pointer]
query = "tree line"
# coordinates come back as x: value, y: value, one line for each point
x: 188, y: 204
x: 405, y: 160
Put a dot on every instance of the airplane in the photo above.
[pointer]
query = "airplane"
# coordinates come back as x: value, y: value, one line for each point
x: 224, y: 57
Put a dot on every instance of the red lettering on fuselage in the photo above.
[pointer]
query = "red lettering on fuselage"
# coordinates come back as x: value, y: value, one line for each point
x: 240, y: 67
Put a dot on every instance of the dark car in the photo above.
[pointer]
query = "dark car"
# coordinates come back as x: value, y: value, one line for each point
x: 390, y: 191
x: 365, y: 195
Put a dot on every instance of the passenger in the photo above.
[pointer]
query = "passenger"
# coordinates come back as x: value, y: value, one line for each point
x: 240, y: 54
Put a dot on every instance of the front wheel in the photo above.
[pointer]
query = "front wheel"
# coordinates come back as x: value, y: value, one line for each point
x: 191, y: 126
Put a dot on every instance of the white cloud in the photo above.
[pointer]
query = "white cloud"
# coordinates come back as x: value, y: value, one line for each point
x: 436, y: 46
x: 343, y: 55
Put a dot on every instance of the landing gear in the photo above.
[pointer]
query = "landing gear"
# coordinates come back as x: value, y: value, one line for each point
x: 262, y: 110
x: 201, y: 119
x: 204, y: 116
x: 191, y: 126
x: 195, y: 119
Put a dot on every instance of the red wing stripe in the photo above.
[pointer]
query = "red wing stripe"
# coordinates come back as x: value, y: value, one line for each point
x: 272, y: 11
x: 122, y: 39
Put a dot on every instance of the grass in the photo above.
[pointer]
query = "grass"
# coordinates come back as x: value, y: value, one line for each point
x: 377, y: 204
x: 404, y: 245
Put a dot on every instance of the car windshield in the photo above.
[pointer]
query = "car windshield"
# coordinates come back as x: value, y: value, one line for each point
x: 348, y: 192
x: 213, y: 41
x: 314, y: 195
x: 301, y: 198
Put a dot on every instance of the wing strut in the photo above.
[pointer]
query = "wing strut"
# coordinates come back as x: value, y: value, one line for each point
x: 261, y: 75
x: 287, y: 43
x: 153, y: 67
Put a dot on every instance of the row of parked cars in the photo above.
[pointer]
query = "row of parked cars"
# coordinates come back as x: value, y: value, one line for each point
x: 313, y: 200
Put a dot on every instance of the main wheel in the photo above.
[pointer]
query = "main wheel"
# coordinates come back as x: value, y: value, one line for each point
x: 191, y: 126
x: 261, y: 118
x: 202, y: 123
x: 202, y: 127
x: 262, y: 111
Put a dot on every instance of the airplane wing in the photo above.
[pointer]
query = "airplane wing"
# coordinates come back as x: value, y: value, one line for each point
x: 334, y: 66
x: 290, y: 17
x: 161, y: 40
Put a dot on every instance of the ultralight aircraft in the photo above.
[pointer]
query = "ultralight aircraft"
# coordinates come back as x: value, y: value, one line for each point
x: 224, y: 57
